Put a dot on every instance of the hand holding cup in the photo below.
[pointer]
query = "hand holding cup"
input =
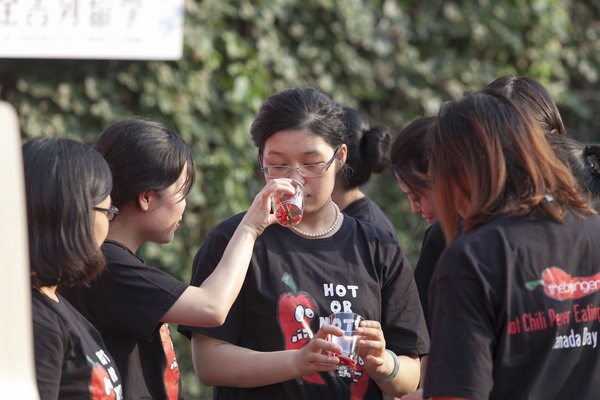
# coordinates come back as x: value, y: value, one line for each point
x: 289, y: 208
x: 349, y: 323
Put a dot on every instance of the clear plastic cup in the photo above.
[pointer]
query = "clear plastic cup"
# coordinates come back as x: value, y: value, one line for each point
x: 289, y: 208
x: 348, y: 322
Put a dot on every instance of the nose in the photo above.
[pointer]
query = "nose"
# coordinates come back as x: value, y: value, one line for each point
x: 296, y: 175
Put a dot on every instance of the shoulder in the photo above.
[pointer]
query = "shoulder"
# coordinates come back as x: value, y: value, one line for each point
x: 371, y: 240
x: 435, y: 234
x: 54, y: 319
x: 526, y: 229
x: 357, y: 207
x: 504, y: 237
x: 44, y: 312
x: 127, y: 275
x: 115, y: 252
x: 589, y: 220
x: 364, y: 209
x: 367, y: 210
x: 227, y: 227
x: 370, y: 231
x: 216, y: 241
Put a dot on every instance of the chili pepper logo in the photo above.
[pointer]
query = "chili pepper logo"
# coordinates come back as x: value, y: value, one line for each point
x: 101, y: 387
x: 296, y: 310
x: 360, y: 381
x: 560, y: 285
x: 171, y: 375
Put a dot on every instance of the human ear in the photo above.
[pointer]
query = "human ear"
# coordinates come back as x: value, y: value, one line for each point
x: 343, y: 153
x: 144, y: 199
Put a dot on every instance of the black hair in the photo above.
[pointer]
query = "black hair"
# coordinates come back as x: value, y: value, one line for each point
x: 367, y: 148
x: 64, y: 180
x: 583, y: 161
x: 299, y: 109
x: 144, y: 155
x: 528, y: 92
x: 411, y: 152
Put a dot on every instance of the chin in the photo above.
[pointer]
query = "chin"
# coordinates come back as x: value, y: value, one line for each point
x: 164, y: 239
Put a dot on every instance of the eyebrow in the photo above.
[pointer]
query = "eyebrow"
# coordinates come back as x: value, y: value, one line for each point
x: 277, y: 153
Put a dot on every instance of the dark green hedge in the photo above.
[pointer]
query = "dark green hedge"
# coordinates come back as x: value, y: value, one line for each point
x: 395, y: 60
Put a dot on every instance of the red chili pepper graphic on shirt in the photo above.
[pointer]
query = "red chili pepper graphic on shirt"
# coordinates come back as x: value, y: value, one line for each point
x: 360, y: 381
x: 562, y: 286
x: 101, y: 387
x: 172, y: 369
x: 295, y: 312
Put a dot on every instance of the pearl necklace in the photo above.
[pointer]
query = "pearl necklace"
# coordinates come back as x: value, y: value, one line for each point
x: 326, y: 231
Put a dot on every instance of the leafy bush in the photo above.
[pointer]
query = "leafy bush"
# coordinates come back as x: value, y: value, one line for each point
x: 394, y: 60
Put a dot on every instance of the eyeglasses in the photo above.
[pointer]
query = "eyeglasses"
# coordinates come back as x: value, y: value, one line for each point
x: 306, y: 170
x: 111, y: 213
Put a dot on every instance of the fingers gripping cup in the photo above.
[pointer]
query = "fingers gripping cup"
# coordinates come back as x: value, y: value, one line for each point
x: 289, y: 208
x: 349, y: 322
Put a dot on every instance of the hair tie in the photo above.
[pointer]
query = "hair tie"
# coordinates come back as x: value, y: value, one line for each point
x: 591, y: 160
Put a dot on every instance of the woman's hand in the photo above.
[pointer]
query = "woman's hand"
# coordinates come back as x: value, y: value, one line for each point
x: 259, y: 214
x: 371, y: 348
x: 315, y: 356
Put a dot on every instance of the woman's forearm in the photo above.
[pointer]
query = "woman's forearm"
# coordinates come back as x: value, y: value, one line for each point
x: 221, y: 288
x: 407, y: 379
x: 209, y: 304
x: 223, y: 364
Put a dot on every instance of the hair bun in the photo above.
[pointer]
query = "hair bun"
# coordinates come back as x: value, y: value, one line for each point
x: 376, y: 142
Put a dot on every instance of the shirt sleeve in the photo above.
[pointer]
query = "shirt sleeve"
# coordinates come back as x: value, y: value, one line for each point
x: 462, y: 326
x: 433, y: 246
x: 49, y: 349
x: 133, y: 298
x: 402, y: 316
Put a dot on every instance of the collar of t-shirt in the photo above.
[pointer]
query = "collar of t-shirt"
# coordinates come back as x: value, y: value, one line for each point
x: 122, y: 246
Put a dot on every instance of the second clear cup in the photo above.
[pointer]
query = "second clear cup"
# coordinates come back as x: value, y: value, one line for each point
x: 289, y: 208
x: 349, y: 322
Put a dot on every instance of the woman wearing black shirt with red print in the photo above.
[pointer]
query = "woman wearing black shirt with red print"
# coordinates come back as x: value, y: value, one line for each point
x: 68, y: 210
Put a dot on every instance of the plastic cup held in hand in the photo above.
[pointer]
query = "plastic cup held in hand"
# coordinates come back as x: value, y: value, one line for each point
x: 348, y: 322
x: 289, y: 208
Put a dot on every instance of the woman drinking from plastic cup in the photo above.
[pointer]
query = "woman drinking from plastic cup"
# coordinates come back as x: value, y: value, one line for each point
x: 273, y: 343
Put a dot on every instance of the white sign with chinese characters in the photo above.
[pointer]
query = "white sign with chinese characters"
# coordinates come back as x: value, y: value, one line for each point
x: 92, y: 29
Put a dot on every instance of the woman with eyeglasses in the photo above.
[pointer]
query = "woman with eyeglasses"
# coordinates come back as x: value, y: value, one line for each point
x: 132, y: 303
x: 71, y: 359
x: 273, y: 344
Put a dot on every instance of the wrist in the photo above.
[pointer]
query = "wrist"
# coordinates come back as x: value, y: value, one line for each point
x: 294, y: 363
x: 394, y: 371
x: 248, y: 228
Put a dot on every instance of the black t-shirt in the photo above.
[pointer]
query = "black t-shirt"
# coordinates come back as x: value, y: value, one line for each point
x: 126, y: 304
x: 433, y: 246
x: 515, y: 312
x: 294, y: 283
x: 367, y: 210
x: 71, y: 361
